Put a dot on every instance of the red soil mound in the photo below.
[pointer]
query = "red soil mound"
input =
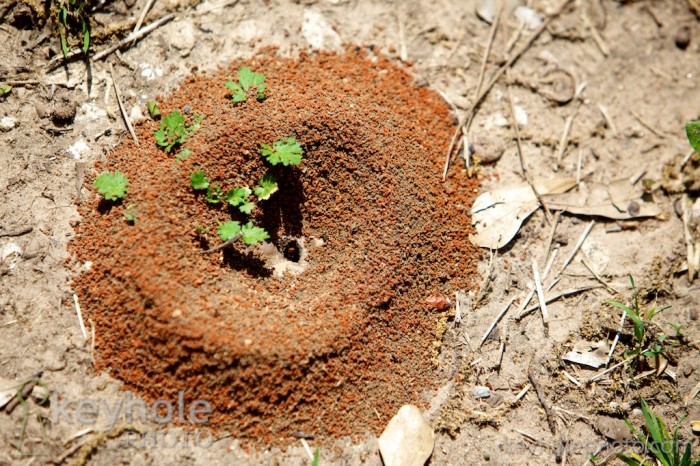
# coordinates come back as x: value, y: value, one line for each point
x: 321, y: 352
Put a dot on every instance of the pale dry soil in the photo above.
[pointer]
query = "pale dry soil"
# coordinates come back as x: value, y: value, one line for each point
x: 646, y: 83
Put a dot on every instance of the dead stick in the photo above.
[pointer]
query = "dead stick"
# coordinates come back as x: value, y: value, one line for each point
x: 550, y: 300
x: 223, y: 245
x: 23, y: 393
x: 564, y: 141
x: 576, y: 248
x: 121, y: 106
x: 497, y: 75
x: 523, y: 167
x: 133, y: 37
x: 20, y: 232
x: 540, y: 293
x: 543, y: 401
x: 142, y: 16
x: 495, y: 322
x: 597, y: 277
x: 466, y: 123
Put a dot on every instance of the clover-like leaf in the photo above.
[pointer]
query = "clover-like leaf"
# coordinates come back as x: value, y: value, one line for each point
x: 247, y: 207
x: 199, y: 181
x: 214, y: 194
x: 286, y: 151
x: 247, y: 79
x: 236, y: 196
x: 250, y: 234
x: 112, y: 186
x: 267, y: 187
x: 228, y: 230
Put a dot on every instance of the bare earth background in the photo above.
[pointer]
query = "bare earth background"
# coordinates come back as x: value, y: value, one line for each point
x: 647, y: 84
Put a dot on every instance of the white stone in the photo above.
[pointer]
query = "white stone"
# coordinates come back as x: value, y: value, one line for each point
x: 520, y: 115
x: 78, y: 148
x: 7, y: 123
x: 10, y: 253
x: 135, y: 113
x: 149, y: 72
x: 319, y: 33
x: 528, y: 17
x: 184, y: 38
x: 407, y: 440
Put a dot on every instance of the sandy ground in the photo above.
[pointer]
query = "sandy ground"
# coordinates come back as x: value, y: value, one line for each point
x: 636, y: 77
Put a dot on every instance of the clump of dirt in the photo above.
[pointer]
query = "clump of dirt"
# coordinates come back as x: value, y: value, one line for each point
x: 334, y: 350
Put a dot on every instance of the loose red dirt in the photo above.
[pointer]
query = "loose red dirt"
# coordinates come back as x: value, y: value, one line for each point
x: 324, y: 352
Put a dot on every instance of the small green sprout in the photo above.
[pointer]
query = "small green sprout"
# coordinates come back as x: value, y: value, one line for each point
x: 5, y: 90
x: 173, y: 131
x: 130, y: 214
x: 641, y: 323
x: 692, y: 131
x: 182, y: 155
x: 153, y: 109
x: 214, y: 194
x: 286, y: 151
x: 68, y: 13
x: 112, y: 186
x: 228, y: 230
x: 237, y: 198
x: 199, y: 181
x: 250, y: 234
x: 317, y: 457
x: 200, y: 230
x: 247, y: 207
x: 267, y: 187
x: 247, y: 79
x: 665, y: 448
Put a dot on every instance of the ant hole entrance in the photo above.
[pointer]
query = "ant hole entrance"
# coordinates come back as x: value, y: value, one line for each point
x: 291, y: 250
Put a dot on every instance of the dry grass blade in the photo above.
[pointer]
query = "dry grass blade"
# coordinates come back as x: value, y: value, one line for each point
x: 495, y: 322
x: 497, y: 75
x: 127, y: 122
x: 540, y: 293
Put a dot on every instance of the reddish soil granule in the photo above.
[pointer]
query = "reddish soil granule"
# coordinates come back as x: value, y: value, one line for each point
x: 324, y: 352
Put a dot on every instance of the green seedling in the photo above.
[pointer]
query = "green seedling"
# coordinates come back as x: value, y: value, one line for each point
x: 198, y: 181
x: 250, y: 234
x: 248, y: 82
x: 4, y: 90
x: 214, y: 194
x: 237, y: 198
x: 642, y: 323
x: 130, y: 214
x: 112, y: 186
x: 200, y: 230
x: 173, y: 130
x: 183, y: 154
x: 266, y: 188
x: 317, y: 457
x: 692, y: 131
x: 153, y: 109
x: 71, y: 16
x: 286, y: 151
x: 665, y: 448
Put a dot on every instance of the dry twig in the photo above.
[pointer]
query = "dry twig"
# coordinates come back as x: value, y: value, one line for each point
x: 121, y: 106
x: 497, y: 75
x: 543, y: 402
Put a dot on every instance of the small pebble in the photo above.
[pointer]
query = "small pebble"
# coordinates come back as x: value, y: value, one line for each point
x: 682, y: 37
x: 481, y: 392
x: 7, y: 123
x: 187, y: 109
x: 633, y: 208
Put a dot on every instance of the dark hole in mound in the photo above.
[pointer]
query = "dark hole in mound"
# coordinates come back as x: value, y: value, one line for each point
x: 291, y: 251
